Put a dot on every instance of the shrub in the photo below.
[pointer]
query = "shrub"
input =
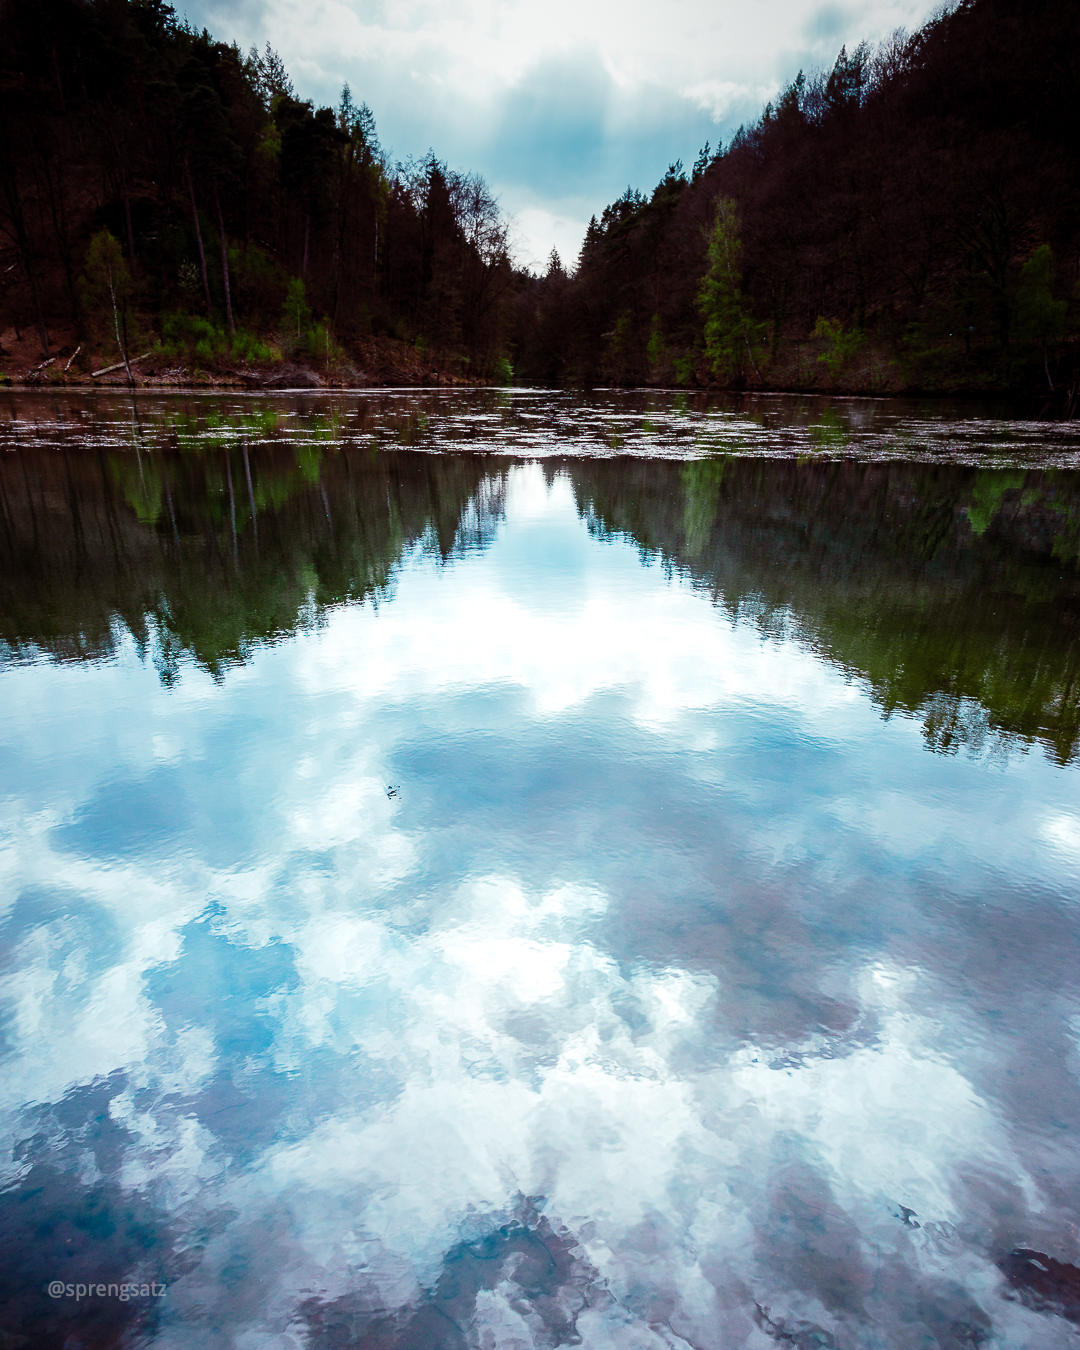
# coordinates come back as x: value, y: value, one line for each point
x: 684, y: 368
x: 191, y: 336
x: 296, y: 315
x: 841, y: 345
x: 320, y: 345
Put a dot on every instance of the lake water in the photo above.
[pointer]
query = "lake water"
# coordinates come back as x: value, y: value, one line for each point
x: 510, y: 869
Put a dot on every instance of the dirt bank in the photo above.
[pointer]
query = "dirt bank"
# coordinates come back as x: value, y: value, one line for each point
x: 368, y: 362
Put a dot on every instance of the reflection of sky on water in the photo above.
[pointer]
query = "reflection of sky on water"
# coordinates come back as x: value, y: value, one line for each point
x: 665, y: 926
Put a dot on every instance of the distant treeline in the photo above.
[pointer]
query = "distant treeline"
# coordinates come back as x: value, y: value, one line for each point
x: 908, y: 219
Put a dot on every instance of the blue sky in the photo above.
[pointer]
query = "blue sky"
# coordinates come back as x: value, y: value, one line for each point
x: 559, y: 105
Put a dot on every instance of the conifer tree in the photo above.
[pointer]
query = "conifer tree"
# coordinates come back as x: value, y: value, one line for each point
x: 730, y: 328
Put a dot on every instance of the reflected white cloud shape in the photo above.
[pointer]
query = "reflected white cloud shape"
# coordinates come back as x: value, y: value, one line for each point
x: 611, y: 629
x: 429, y: 1038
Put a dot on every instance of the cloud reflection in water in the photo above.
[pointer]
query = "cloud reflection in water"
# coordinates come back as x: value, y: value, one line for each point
x: 675, y: 999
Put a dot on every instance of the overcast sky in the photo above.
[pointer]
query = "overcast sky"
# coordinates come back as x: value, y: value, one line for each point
x: 559, y: 105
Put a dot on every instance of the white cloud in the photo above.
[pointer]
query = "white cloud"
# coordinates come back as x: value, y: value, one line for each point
x: 479, y: 81
x: 718, y: 97
x: 557, y: 226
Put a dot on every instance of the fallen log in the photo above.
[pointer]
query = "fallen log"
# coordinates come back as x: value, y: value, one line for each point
x: 72, y: 357
x: 107, y: 370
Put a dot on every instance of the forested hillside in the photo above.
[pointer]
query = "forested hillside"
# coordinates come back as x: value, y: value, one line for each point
x: 157, y: 184
x: 909, y: 219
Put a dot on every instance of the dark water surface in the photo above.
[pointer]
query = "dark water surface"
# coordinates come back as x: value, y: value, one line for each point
x: 506, y: 870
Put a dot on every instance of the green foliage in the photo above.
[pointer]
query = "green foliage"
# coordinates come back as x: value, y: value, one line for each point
x: 197, y: 434
x: 296, y: 316
x: 248, y: 347
x: 180, y: 331
x: 305, y: 336
x: 192, y: 147
x: 197, y: 145
x: 320, y: 345
x: 1039, y: 321
x: 193, y: 337
x: 276, y: 562
x: 987, y: 494
x: 701, y: 479
x: 684, y: 368
x: 731, y: 331
x: 841, y: 345
x: 619, y: 340
x: 1040, y: 318
x: 619, y: 348
x: 108, y: 277
x: 897, y: 191
x: 107, y: 284
x: 504, y: 371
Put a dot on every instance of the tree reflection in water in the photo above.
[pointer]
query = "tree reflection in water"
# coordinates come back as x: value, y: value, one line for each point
x: 528, y: 914
x: 952, y: 590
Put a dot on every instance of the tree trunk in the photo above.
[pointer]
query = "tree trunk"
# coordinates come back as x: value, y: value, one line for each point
x: 116, y: 326
x: 251, y: 494
x: 127, y: 215
x: 224, y: 263
x: 202, y: 251
x: 127, y: 208
x: 127, y: 201
x: 232, y: 503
